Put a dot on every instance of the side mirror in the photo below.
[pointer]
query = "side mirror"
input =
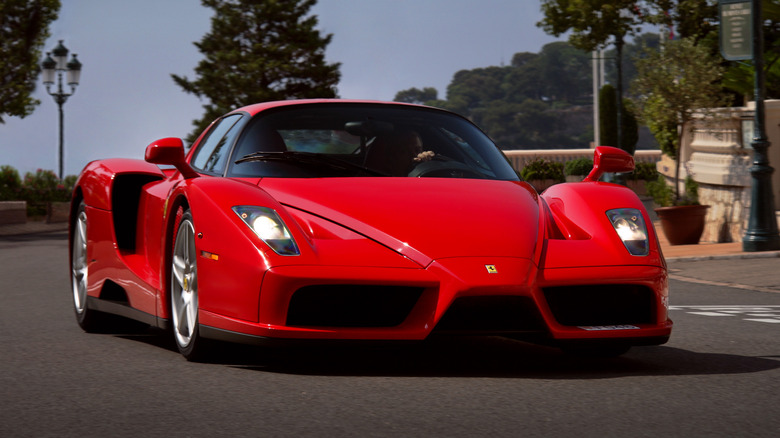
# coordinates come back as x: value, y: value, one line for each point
x: 169, y: 151
x: 607, y: 159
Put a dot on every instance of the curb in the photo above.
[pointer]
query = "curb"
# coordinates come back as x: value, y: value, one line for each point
x: 743, y: 255
x: 32, y: 228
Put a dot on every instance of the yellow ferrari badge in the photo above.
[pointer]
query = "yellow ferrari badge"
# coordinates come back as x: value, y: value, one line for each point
x: 491, y: 269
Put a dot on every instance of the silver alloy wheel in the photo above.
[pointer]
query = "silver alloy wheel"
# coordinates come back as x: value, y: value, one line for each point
x: 184, y: 282
x: 79, y: 266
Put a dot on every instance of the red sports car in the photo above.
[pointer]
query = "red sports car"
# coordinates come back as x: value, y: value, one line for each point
x: 353, y: 220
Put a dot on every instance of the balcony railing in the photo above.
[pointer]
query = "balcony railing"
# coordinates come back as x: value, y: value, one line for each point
x: 519, y: 158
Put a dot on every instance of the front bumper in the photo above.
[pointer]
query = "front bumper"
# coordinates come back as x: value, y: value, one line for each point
x: 468, y: 295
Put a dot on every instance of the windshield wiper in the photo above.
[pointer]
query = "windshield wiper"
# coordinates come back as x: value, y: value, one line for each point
x: 309, y: 158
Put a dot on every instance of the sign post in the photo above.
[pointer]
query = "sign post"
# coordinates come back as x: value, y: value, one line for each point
x: 736, y: 29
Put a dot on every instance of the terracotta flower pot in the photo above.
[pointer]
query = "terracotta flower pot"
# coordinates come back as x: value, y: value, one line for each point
x: 684, y: 224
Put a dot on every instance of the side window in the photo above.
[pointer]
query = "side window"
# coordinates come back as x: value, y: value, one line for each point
x: 213, y: 153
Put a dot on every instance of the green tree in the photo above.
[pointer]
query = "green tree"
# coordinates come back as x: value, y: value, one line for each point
x: 608, y: 121
x: 631, y: 52
x: 520, y: 59
x: 24, y: 27
x: 472, y: 89
x: 537, y: 126
x: 674, y: 85
x: 566, y: 71
x: 256, y: 51
x: 739, y: 76
x: 415, y: 95
x: 498, y: 121
x: 608, y: 116
x: 694, y: 19
x: 594, y: 22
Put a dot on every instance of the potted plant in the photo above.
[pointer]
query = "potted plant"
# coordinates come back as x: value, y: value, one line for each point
x: 681, y: 216
x: 674, y: 86
x: 542, y: 173
x: 577, y: 169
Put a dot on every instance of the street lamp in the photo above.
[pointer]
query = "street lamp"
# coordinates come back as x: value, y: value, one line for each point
x: 57, y: 62
x: 761, y: 233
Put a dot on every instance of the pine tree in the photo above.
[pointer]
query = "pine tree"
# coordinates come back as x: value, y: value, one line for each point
x: 257, y: 51
x: 24, y: 27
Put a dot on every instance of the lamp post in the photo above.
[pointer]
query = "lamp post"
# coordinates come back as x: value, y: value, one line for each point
x: 59, y: 64
x: 761, y: 233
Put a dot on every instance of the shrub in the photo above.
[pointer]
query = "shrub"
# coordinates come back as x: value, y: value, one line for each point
x: 645, y: 171
x: 69, y: 183
x: 42, y: 187
x: 578, y: 166
x: 663, y: 194
x: 540, y: 169
x: 10, y: 183
x: 38, y: 188
x: 41, y: 180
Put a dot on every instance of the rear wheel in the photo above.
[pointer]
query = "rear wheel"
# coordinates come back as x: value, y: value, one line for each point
x: 89, y: 320
x: 184, y: 291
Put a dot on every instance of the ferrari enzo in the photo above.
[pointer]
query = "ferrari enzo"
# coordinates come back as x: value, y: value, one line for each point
x: 355, y: 220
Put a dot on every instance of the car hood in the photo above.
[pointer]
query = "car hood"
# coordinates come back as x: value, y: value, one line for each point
x: 424, y: 219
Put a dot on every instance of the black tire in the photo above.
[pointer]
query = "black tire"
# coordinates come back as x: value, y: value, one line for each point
x: 184, y: 292
x: 89, y: 320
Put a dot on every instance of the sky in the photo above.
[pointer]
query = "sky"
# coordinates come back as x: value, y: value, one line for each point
x: 129, y: 49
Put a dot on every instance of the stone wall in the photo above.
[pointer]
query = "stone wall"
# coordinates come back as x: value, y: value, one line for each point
x: 717, y: 154
x: 13, y: 212
x: 728, y: 213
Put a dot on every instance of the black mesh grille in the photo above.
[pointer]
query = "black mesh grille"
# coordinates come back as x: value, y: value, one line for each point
x: 491, y: 314
x: 596, y: 305
x: 339, y: 305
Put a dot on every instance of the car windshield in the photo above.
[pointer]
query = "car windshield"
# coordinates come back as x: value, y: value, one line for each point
x: 365, y: 140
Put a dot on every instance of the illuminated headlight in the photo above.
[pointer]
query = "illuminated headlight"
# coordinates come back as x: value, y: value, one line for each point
x: 269, y: 228
x: 631, y: 228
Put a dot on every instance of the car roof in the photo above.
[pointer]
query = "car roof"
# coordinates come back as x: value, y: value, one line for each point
x: 259, y: 107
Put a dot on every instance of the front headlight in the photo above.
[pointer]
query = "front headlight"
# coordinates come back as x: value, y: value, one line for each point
x: 631, y: 228
x: 269, y: 228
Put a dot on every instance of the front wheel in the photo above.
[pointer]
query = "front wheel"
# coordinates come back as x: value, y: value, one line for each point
x: 184, y: 291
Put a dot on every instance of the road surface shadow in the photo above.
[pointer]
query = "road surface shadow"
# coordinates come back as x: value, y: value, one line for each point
x: 468, y: 357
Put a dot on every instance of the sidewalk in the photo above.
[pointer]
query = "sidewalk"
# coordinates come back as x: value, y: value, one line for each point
x: 707, y: 251
x: 32, y: 227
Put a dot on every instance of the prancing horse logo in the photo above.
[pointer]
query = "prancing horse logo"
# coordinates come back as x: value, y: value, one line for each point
x: 491, y: 269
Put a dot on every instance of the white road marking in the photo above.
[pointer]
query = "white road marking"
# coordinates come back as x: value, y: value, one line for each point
x: 767, y: 314
x: 709, y: 314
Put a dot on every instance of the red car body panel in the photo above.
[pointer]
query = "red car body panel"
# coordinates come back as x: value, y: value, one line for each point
x: 447, y: 238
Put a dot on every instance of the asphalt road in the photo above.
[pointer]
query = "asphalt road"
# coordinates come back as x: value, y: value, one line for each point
x: 718, y: 376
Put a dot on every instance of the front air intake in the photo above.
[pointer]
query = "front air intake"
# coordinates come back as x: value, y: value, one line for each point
x: 601, y: 305
x: 491, y: 315
x: 349, y: 305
